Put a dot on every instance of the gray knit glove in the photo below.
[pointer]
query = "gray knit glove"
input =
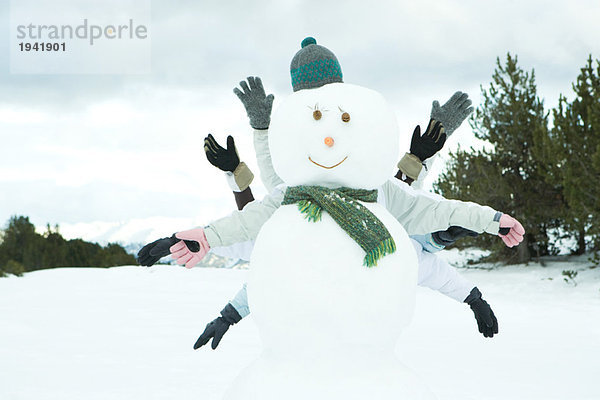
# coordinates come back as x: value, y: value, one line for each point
x: 453, y: 113
x: 258, y: 105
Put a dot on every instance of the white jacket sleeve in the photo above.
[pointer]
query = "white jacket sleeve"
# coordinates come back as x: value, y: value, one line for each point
x: 242, y: 226
x: 263, y: 157
x: 440, y: 276
x: 420, y: 212
x: 241, y: 250
x: 427, y: 165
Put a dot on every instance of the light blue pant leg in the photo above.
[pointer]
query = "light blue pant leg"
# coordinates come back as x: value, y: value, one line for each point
x: 240, y: 302
x: 429, y: 245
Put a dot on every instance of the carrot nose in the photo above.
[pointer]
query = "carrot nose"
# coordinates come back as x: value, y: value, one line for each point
x: 329, y: 141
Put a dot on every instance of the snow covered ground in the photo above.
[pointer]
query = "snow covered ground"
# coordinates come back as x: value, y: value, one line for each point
x: 127, y: 333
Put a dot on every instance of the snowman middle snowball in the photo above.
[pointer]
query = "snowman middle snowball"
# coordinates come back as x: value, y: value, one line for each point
x: 333, y: 151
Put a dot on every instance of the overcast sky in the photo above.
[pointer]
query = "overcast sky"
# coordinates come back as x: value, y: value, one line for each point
x: 82, y: 148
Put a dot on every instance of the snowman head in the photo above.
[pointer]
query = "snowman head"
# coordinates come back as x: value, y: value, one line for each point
x: 332, y: 134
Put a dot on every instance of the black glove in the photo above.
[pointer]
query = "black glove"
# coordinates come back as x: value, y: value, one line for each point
x: 152, y: 252
x: 217, y: 328
x: 451, y: 235
x: 224, y: 159
x: 486, y: 320
x: 430, y: 143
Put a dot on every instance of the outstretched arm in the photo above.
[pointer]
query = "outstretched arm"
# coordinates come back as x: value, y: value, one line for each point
x: 258, y: 107
x: 452, y: 114
x: 244, y: 225
x: 238, y: 175
x: 424, y: 150
x: 436, y: 241
x: 241, y: 226
x: 268, y: 176
x: 422, y: 147
x: 420, y: 213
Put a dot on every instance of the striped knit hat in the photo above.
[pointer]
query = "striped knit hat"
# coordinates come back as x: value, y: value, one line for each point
x: 314, y: 66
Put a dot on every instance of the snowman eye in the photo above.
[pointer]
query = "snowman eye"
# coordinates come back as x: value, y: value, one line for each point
x: 317, y: 114
x: 345, y: 115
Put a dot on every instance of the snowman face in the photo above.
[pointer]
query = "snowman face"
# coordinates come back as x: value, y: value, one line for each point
x: 336, y: 135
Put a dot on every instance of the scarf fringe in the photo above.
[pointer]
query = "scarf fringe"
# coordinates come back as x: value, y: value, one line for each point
x: 313, y: 212
x: 384, y: 248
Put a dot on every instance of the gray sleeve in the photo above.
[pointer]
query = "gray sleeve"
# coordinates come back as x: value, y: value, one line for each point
x: 242, y: 226
x: 263, y: 157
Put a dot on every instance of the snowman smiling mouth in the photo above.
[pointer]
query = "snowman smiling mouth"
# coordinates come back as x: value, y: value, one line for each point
x: 323, y: 166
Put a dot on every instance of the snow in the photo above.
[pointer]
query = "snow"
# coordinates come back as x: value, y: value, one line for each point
x: 297, y: 141
x: 127, y: 333
x: 313, y: 300
x: 462, y: 257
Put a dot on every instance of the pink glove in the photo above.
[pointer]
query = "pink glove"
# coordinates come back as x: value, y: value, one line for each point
x: 515, y: 235
x: 180, y: 252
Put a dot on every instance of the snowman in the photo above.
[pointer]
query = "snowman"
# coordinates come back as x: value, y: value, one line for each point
x: 333, y: 272
x: 331, y: 266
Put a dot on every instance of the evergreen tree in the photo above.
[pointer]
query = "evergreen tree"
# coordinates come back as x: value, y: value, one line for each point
x: 23, y: 250
x: 505, y: 174
x: 54, y: 250
x: 21, y: 243
x: 11, y: 267
x: 574, y: 143
x: 115, y: 254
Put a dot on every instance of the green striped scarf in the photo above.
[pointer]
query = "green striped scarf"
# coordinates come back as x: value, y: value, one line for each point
x: 354, y: 218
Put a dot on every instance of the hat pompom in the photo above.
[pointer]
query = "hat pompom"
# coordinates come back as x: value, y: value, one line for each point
x: 307, y: 41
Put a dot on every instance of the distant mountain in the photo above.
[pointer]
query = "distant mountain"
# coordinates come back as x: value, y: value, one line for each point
x: 127, y: 232
x: 133, y: 234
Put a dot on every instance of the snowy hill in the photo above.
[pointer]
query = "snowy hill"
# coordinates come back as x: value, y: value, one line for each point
x: 127, y: 333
